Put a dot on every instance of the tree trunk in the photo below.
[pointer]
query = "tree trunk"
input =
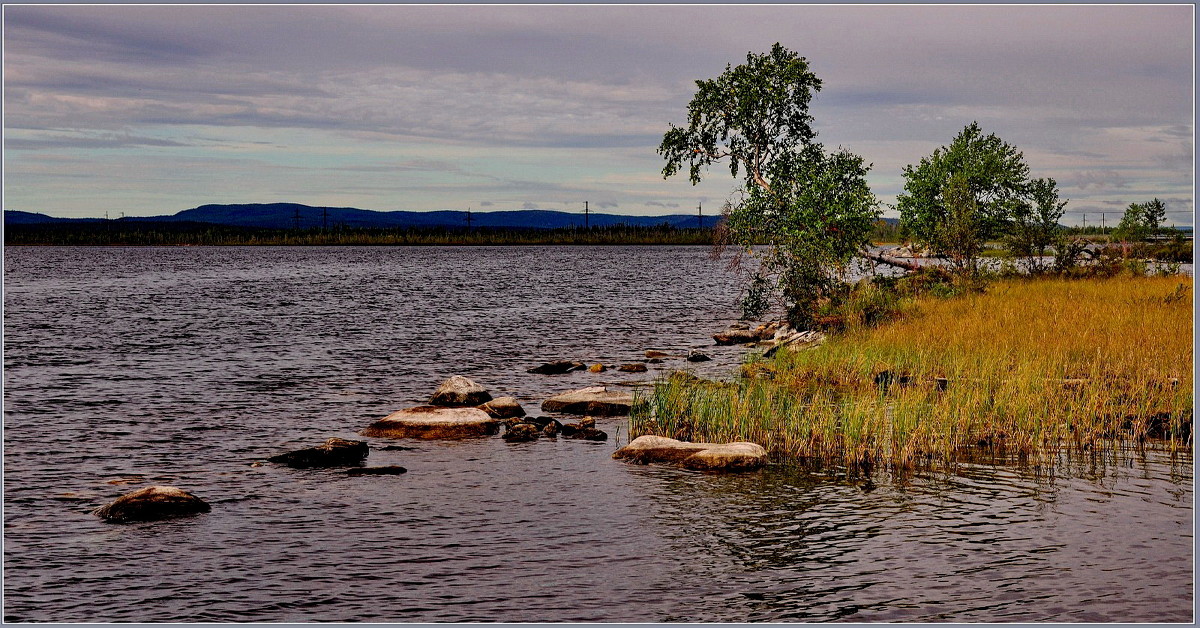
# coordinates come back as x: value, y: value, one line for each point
x: 891, y: 261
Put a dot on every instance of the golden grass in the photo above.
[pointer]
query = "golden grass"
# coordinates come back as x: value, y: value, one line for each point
x: 1031, y: 367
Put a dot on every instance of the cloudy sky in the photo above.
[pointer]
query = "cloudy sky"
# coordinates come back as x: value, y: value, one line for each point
x: 148, y: 110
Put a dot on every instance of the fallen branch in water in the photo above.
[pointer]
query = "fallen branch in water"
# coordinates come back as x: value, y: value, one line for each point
x: 891, y: 261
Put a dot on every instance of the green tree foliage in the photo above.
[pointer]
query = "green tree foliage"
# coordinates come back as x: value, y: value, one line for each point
x: 812, y: 208
x: 816, y: 219
x: 756, y: 114
x: 1141, y: 220
x: 996, y: 179
x: 1154, y: 213
x: 1035, y: 225
x: 959, y: 233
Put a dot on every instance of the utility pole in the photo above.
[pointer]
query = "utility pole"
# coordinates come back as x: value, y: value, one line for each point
x: 586, y: 224
x: 297, y: 223
x: 1085, y: 220
x: 324, y: 219
x: 469, y: 219
x: 1103, y: 220
x: 700, y: 214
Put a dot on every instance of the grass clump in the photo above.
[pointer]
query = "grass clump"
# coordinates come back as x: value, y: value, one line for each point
x: 1030, y: 367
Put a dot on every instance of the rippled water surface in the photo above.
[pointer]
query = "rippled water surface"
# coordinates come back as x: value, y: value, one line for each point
x: 183, y: 366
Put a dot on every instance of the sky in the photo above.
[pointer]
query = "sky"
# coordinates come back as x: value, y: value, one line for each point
x: 147, y: 110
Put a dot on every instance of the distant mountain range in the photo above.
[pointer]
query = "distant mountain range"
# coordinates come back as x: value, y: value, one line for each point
x: 289, y: 215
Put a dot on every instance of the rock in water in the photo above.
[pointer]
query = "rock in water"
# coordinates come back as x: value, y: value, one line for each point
x: 654, y: 353
x: 635, y: 367
x: 597, y: 368
x: 589, y: 433
x: 459, y: 391
x: 388, y: 470
x: 434, y: 422
x: 336, y: 452
x: 503, y: 408
x: 696, y: 356
x: 596, y: 400
x: 585, y: 429
x: 558, y: 367
x: 151, y: 504
x: 740, y: 456
x: 521, y: 432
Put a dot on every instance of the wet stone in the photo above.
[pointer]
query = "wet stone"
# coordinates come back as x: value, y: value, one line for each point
x: 336, y: 452
x: 737, y: 456
x: 558, y: 367
x: 388, y: 470
x: 503, y: 408
x: 459, y: 391
x: 521, y: 433
x: 432, y: 422
x: 151, y: 504
x: 595, y: 400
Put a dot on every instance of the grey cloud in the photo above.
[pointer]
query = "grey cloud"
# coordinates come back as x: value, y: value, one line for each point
x: 607, y: 204
x: 899, y: 80
x: 663, y: 205
x: 1098, y: 179
x: 529, y: 205
x: 486, y: 204
x: 74, y: 142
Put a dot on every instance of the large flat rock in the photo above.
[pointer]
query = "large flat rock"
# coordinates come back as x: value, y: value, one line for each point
x: 593, y: 400
x: 739, y: 456
x: 432, y: 422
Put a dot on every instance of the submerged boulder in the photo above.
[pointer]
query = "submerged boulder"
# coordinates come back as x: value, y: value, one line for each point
x: 151, y: 504
x: 597, y: 368
x: 434, y: 422
x: 654, y: 353
x: 740, y: 456
x: 558, y: 367
x: 503, y: 408
x: 633, y: 367
x: 388, y: 470
x: 336, y: 452
x: 459, y: 391
x: 594, y: 400
x: 696, y: 356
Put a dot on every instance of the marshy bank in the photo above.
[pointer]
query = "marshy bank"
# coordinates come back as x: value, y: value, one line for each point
x: 1030, y: 368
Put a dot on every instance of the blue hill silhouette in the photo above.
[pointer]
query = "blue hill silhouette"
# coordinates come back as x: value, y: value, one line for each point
x: 289, y: 215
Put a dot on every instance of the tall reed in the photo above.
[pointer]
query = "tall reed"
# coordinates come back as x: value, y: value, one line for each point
x: 1031, y: 367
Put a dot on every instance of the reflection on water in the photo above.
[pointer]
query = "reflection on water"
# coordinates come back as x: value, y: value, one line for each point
x: 126, y: 367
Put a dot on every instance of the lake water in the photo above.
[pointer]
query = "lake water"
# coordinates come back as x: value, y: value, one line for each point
x: 126, y: 367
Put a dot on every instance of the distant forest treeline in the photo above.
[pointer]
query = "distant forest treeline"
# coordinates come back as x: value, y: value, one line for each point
x: 115, y: 233
x: 128, y: 233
